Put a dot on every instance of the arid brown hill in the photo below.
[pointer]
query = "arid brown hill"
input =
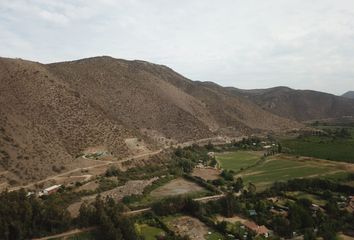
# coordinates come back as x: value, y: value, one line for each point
x: 50, y: 113
x: 300, y: 105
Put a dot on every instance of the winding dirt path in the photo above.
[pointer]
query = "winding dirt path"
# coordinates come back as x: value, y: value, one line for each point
x: 220, y: 140
x: 105, y: 163
x: 67, y: 234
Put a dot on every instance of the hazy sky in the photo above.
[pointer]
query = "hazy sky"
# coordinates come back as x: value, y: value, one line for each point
x: 305, y: 44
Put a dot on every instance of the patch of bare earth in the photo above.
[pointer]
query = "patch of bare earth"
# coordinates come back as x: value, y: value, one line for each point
x: 207, y: 173
x: 134, y: 187
x: 188, y: 226
x: 136, y: 146
x: 176, y: 187
x: 233, y: 219
x: 345, y: 237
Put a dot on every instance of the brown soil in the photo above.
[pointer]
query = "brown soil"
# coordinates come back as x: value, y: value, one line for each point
x: 188, y: 226
x: 233, y: 219
x: 136, y: 146
x: 133, y: 187
x: 206, y: 173
x: 176, y: 187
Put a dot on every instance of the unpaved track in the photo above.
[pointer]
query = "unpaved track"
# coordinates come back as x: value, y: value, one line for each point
x: 219, y: 140
x: 106, y: 163
x: 67, y: 234
x: 59, y: 175
x: 209, y: 198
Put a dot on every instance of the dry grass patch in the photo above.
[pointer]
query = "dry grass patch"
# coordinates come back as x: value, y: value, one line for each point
x: 188, y: 226
x: 206, y: 173
x: 177, y: 187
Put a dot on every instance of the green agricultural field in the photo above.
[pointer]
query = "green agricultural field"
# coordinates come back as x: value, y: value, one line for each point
x: 339, y: 149
x: 148, y: 232
x: 238, y: 160
x: 283, y: 168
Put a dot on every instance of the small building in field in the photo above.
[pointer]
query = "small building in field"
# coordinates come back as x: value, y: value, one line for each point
x: 258, y: 230
x: 49, y: 190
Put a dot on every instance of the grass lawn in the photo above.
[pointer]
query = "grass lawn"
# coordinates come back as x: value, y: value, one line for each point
x: 238, y: 160
x: 284, y: 167
x: 149, y: 232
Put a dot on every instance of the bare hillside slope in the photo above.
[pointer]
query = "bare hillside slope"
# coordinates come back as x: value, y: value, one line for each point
x: 50, y: 113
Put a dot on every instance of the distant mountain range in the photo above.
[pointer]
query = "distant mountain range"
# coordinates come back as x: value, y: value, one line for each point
x: 50, y: 113
x: 349, y: 94
x: 299, y: 105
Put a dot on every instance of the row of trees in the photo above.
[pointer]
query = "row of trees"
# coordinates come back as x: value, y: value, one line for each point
x: 25, y: 217
x: 107, y: 215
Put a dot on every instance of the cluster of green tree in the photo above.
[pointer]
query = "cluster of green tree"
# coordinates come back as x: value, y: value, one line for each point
x: 252, y: 143
x: 340, y: 133
x: 185, y: 159
x: 277, y: 148
x: 207, y: 185
x: 228, y: 183
x: 328, y: 134
x: 310, y: 184
x: 105, y: 184
x: 334, y: 124
x: 228, y: 175
x: 25, y: 217
x: 139, y: 172
x: 173, y: 205
x: 300, y: 220
x: 107, y: 216
x: 303, y: 218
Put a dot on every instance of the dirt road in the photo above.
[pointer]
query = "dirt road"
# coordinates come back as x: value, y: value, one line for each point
x: 105, y: 163
x: 67, y: 234
x: 214, y: 140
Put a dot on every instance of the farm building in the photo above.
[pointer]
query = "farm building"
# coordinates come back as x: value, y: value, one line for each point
x: 258, y: 230
x: 49, y: 190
